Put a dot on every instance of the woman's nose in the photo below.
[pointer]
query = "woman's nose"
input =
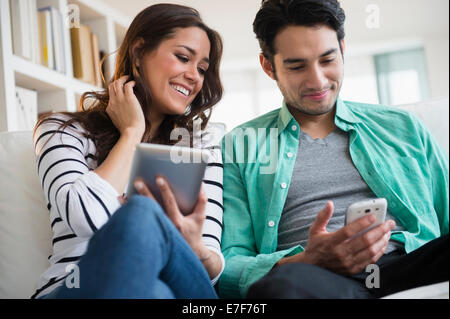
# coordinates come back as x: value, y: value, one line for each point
x: 192, y: 74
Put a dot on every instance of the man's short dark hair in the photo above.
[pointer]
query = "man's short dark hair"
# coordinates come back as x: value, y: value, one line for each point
x: 275, y: 15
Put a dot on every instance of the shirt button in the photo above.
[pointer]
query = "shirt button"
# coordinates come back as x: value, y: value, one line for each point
x: 289, y: 155
x: 283, y: 185
x: 271, y: 223
x: 294, y: 127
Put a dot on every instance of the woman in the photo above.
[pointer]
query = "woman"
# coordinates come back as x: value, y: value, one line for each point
x: 166, y: 77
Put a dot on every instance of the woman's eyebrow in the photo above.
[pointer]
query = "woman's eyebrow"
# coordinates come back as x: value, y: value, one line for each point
x: 193, y: 52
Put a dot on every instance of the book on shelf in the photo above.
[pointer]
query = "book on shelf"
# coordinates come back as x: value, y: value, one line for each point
x: 53, y: 33
x: 46, y: 44
x: 35, y: 50
x: 38, y: 34
x: 85, y: 55
x: 19, y: 29
x: 96, y: 60
x: 26, y: 108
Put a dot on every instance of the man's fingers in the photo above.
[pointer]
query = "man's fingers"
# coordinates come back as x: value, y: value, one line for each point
x: 322, y: 219
x: 362, y: 242
x: 142, y: 189
x: 354, y: 228
x: 373, y: 252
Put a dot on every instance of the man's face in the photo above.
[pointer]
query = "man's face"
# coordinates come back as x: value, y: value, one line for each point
x: 309, y: 68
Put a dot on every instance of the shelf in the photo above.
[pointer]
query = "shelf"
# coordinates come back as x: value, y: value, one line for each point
x: 93, y: 9
x: 37, y: 77
x: 56, y: 91
x: 40, y: 78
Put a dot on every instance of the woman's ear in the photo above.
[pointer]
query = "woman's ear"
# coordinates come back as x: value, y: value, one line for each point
x: 139, y: 43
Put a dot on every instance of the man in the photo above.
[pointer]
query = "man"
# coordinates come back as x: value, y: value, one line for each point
x: 284, y: 230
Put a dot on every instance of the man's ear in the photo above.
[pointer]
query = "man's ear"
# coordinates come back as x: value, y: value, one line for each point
x: 267, y: 66
x: 343, y: 47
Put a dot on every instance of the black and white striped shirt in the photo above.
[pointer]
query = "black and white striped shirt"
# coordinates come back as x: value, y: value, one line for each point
x: 80, y: 201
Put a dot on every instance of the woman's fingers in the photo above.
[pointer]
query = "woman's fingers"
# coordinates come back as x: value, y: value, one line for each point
x: 119, y: 86
x: 169, y: 201
x: 122, y: 199
x: 111, y: 91
x: 142, y: 189
x: 128, y: 88
x: 200, y: 208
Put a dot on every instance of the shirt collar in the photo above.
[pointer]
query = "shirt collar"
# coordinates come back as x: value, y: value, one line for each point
x: 284, y: 118
x: 342, y: 113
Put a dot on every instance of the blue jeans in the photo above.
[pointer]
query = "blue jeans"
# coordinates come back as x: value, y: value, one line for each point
x: 139, y: 253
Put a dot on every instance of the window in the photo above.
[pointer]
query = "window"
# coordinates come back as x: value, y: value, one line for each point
x: 401, y: 77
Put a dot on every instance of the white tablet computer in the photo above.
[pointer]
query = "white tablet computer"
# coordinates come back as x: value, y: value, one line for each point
x: 183, y: 168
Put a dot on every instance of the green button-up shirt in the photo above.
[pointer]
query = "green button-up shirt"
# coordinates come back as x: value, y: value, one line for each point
x: 393, y: 152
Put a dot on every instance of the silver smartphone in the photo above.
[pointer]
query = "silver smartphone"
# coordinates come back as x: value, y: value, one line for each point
x: 183, y: 168
x: 377, y: 207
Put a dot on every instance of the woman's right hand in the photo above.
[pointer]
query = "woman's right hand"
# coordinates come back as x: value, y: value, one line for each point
x: 124, y: 108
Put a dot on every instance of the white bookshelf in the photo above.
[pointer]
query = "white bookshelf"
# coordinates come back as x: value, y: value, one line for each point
x: 56, y: 91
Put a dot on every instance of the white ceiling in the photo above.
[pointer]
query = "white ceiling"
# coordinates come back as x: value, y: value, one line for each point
x: 399, y: 19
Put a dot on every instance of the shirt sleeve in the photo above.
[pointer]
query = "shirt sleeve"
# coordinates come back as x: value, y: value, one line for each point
x: 83, y: 200
x: 438, y: 168
x: 213, y: 187
x: 244, y: 264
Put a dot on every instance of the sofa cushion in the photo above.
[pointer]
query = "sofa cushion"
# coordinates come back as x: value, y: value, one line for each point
x: 434, y: 115
x: 25, y: 233
x: 436, y: 291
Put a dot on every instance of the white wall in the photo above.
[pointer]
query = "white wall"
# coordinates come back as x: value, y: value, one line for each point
x: 437, y: 59
x: 359, y: 80
x: 249, y: 92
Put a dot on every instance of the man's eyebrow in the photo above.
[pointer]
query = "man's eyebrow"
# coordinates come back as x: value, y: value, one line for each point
x: 299, y: 60
x: 193, y: 52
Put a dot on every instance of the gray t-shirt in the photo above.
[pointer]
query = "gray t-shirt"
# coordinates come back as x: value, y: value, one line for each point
x: 323, y: 171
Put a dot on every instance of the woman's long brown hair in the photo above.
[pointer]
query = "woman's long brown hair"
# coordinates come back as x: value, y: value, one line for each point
x: 153, y: 25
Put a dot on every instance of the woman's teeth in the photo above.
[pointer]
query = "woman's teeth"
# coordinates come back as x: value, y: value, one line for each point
x: 181, y: 89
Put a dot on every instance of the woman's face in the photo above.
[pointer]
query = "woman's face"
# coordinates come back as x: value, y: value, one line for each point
x: 175, y: 70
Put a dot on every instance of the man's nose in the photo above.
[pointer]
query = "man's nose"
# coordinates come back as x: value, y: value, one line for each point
x: 316, y: 78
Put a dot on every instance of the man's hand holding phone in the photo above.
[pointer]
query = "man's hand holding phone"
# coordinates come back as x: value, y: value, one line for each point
x: 341, y: 251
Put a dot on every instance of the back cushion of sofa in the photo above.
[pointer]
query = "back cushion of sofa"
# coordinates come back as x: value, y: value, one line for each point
x: 25, y: 233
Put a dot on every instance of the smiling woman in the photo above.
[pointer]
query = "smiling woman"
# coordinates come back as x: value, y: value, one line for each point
x: 182, y: 28
x: 176, y: 70
x: 166, y: 77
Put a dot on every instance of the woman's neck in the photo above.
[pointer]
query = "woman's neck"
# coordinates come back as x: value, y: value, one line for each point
x: 155, y: 122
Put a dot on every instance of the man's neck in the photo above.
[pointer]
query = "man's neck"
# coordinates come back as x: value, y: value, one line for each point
x: 316, y: 126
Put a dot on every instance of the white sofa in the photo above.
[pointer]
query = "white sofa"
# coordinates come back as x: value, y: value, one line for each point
x: 25, y: 233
